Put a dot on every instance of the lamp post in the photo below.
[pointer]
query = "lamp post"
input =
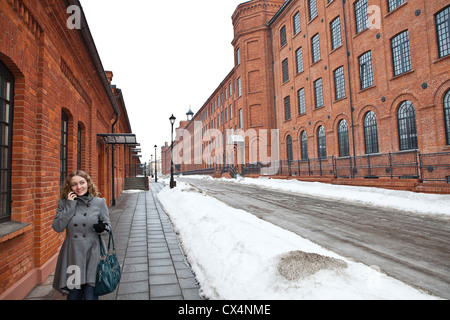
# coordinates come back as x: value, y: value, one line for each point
x: 156, y: 165
x: 172, y: 121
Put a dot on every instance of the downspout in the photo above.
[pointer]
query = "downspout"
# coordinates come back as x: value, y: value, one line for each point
x: 273, y: 71
x: 113, y: 195
x: 349, y: 82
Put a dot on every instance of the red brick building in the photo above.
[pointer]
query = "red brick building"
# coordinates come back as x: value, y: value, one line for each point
x: 55, y: 98
x: 357, y: 89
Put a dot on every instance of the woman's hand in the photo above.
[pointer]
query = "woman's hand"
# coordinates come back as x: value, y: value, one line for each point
x: 72, y: 196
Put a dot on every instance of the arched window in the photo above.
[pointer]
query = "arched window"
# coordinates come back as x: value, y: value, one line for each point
x: 289, y: 148
x: 6, y: 118
x: 370, y: 133
x: 304, y: 145
x: 64, y: 147
x: 321, y: 143
x: 407, y: 131
x: 343, y: 139
x: 447, y: 115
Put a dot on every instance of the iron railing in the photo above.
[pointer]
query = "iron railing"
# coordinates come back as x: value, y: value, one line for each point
x: 403, y: 165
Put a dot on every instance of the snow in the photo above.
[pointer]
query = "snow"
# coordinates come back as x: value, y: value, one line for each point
x: 235, y: 254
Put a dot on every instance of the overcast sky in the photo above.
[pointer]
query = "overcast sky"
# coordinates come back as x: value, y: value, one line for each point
x: 165, y: 56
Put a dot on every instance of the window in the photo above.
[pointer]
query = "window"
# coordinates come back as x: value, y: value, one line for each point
x: 79, y: 148
x: 6, y: 118
x: 287, y: 108
x: 339, y: 83
x: 443, y: 32
x: 239, y: 87
x: 321, y: 142
x: 241, y: 120
x: 315, y: 47
x: 283, y: 40
x: 318, y: 93
x: 289, y: 153
x: 304, y: 145
x: 299, y: 60
x: 296, y: 23
x: 301, y: 101
x: 64, y: 146
x: 447, y: 116
x: 370, y: 133
x: 366, y: 70
x: 285, y: 69
x: 336, y: 37
x: 343, y: 139
x: 238, y: 56
x: 361, y: 15
x: 312, y: 7
x: 231, y: 111
x: 401, y: 55
x: 393, y: 4
x: 407, y: 131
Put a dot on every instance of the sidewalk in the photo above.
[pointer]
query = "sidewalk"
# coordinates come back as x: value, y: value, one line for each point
x: 153, y: 264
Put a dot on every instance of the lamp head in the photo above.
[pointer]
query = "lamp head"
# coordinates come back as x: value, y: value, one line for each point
x: 172, y: 119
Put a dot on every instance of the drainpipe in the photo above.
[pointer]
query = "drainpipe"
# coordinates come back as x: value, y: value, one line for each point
x: 349, y: 82
x: 112, y: 152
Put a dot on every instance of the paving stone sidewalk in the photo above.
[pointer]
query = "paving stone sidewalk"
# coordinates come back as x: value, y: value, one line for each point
x: 154, y: 266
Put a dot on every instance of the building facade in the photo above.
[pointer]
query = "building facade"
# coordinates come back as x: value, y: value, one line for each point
x: 55, y: 98
x: 356, y: 89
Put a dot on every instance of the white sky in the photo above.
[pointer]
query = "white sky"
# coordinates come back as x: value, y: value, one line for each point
x: 165, y: 56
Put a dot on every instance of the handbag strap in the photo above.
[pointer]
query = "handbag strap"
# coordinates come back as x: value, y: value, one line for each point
x: 102, y: 247
x: 111, y: 239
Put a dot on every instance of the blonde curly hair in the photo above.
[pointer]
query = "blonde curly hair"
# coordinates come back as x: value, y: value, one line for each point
x: 66, y: 189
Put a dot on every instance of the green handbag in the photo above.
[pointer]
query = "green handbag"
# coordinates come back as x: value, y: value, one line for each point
x: 108, y: 269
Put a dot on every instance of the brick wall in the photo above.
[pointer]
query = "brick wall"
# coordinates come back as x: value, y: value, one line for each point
x: 54, y: 73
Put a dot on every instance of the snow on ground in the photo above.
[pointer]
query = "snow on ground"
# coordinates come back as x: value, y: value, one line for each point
x: 235, y: 255
x: 412, y: 202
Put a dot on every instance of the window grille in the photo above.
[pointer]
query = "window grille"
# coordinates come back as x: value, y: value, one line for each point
x: 443, y: 32
x: 366, y: 70
x: 336, y: 37
x: 407, y: 131
x: 371, y: 133
x: 401, y: 54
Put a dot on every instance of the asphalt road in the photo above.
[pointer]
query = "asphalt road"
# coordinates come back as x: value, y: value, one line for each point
x: 412, y: 248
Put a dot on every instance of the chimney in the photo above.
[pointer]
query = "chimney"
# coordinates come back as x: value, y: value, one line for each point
x: 109, y: 76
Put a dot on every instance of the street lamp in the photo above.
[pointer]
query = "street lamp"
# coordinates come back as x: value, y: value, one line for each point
x: 156, y: 165
x: 172, y: 121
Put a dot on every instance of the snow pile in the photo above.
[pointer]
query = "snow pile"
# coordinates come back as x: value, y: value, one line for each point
x: 235, y: 255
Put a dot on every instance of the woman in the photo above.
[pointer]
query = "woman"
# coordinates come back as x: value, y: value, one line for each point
x: 84, y: 216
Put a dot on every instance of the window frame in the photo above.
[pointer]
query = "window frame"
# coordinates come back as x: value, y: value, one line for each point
x: 321, y: 142
x: 7, y: 82
x: 371, y: 133
x: 289, y: 149
x: 443, y: 28
x: 285, y: 70
x: 407, y: 127
x: 296, y: 23
x: 446, y: 108
x: 64, y: 145
x: 287, y: 108
x: 318, y: 94
x: 343, y: 140
x: 361, y: 16
x: 365, y: 63
x: 339, y: 83
x: 304, y: 145
x: 335, y: 32
x: 315, y: 48
x: 401, y: 53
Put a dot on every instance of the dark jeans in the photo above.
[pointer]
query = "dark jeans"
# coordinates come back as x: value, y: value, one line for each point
x: 85, y: 293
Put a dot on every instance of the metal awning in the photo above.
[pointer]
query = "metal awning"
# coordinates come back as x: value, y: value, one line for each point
x: 119, y: 138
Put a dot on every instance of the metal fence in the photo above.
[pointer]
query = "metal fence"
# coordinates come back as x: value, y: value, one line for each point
x: 402, y: 165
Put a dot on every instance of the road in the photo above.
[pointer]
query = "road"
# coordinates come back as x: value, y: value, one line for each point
x: 412, y: 248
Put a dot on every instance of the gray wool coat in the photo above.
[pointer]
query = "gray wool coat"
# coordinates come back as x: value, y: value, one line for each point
x: 80, y: 252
